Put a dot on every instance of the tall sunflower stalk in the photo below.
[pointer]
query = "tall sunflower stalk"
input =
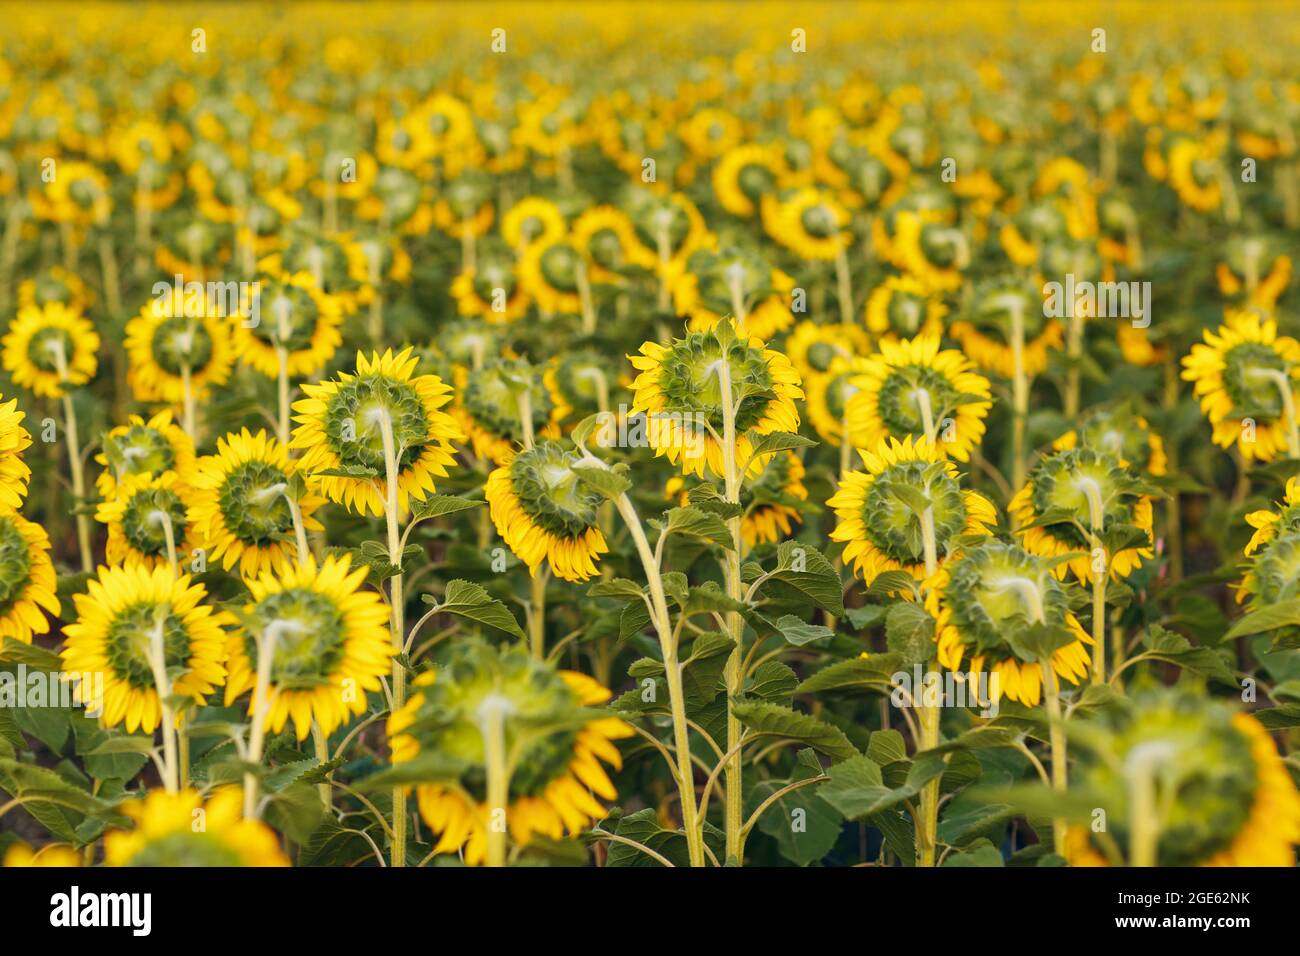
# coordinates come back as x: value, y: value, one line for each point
x: 75, y: 465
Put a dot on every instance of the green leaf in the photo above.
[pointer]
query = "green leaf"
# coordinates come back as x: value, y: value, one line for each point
x: 696, y: 523
x: 14, y: 651
x: 767, y: 718
x: 856, y: 789
x: 859, y: 673
x: 616, y: 587
x: 798, y: 633
x: 1174, y: 648
x: 472, y: 601
x: 772, y: 681
x: 804, y: 826
x: 805, y: 575
x: 702, y: 667
x: 435, y: 506
x: 707, y: 498
x: 909, y: 632
x: 1269, y: 618
x: 777, y: 441
x: 985, y: 854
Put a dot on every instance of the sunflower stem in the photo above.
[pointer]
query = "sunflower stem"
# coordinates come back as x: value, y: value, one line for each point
x: 844, y: 284
x: 1144, y: 835
x: 663, y: 245
x: 322, y: 757
x: 492, y: 717
x: 584, y: 297
x: 398, y: 624
x: 1096, y: 520
x: 9, y: 251
x: 282, y: 391
x: 1020, y: 394
x: 1056, y: 736
x: 74, y: 458
x: 162, y: 687
x: 734, y: 278
x: 537, y: 614
x: 161, y: 517
x: 732, y: 673
x: 525, y: 401
x: 685, y: 770
x: 187, y: 385
x: 263, y: 697
x: 927, y: 822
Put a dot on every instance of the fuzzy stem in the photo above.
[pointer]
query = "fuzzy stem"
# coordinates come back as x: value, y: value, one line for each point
x: 162, y: 686
x: 1096, y: 520
x: 844, y: 285
x: 263, y: 696
x: 1020, y: 394
x: 492, y: 714
x: 398, y: 624
x: 1283, y: 382
x: 1056, y: 733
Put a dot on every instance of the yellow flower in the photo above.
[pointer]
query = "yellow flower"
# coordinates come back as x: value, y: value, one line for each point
x: 166, y: 833
x: 54, y: 854
x: 239, y: 509
x: 345, y: 424
x: 902, y: 307
x: 329, y: 644
x: 50, y: 348
x: 14, y: 440
x: 880, y: 529
x: 145, y: 448
x: 125, y: 615
x: 912, y: 388
x: 811, y: 223
x: 745, y: 174
x: 544, y: 513
x: 175, y: 337
x: 148, y: 518
x: 678, y: 390
x: 532, y: 220
x: 27, y: 580
x: 1240, y: 372
x: 296, y: 316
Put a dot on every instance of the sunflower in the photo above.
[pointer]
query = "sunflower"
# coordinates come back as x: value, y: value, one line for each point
x: 774, y: 501
x: 375, y: 260
x: 987, y: 335
x: 881, y: 530
x: 745, y: 174
x: 813, y: 348
x: 557, y: 757
x: 27, y: 579
x: 145, y: 448
x: 902, y: 307
x: 828, y: 394
x: 913, y: 388
x: 78, y: 194
x: 14, y: 440
x: 711, y: 132
x: 552, y: 273
x: 993, y: 601
x: 1253, y: 270
x: 342, y: 424
x: 1224, y: 796
x: 239, y: 508
x: 736, y: 282
x: 167, y: 339
x: 678, y: 390
x: 1273, y: 571
x: 1195, y: 171
x: 578, y: 383
x: 295, y: 315
x: 1239, y: 373
x: 55, y: 284
x: 490, y: 290
x: 667, y: 230
x: 1075, y: 487
x: 1268, y: 524
x: 810, y: 223
x: 137, y: 530
x: 489, y: 408
x: 125, y: 612
x: 933, y: 252
x: 1137, y: 348
x: 329, y: 644
x: 168, y: 833
x: 544, y: 513
x: 532, y: 220
x: 52, y: 854
x: 605, y: 235
x: 1120, y: 432
x: 50, y: 348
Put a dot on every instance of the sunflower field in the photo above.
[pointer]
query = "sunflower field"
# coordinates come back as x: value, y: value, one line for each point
x: 649, y: 435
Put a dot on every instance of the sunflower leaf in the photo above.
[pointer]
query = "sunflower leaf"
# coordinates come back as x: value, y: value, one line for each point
x: 435, y: 506
x: 697, y: 523
x: 608, y: 482
x: 766, y: 718
x: 472, y: 601
x: 777, y: 441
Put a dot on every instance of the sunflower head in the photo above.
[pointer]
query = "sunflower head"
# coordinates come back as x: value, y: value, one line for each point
x: 813, y: 348
x: 545, y: 513
x: 1241, y: 373
x: 348, y: 426
x: 558, y: 749
x: 913, y: 388
x: 880, y: 511
x: 679, y: 390
x: 579, y: 383
x: 174, y: 337
x: 901, y: 307
x: 811, y: 223
x: 147, y: 517
x: 294, y: 316
x: 998, y: 606
x: 240, y: 507
x: 326, y: 636
x: 147, y: 448
x: 532, y: 220
x: 1221, y: 794
x: 1120, y: 432
x: 135, y: 623
x: 27, y: 579
x: 14, y: 440
x: 490, y: 289
x: 733, y: 281
x: 1076, y: 495
x: 182, y: 830
x: 50, y: 348
x: 745, y: 174
x: 491, y: 406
